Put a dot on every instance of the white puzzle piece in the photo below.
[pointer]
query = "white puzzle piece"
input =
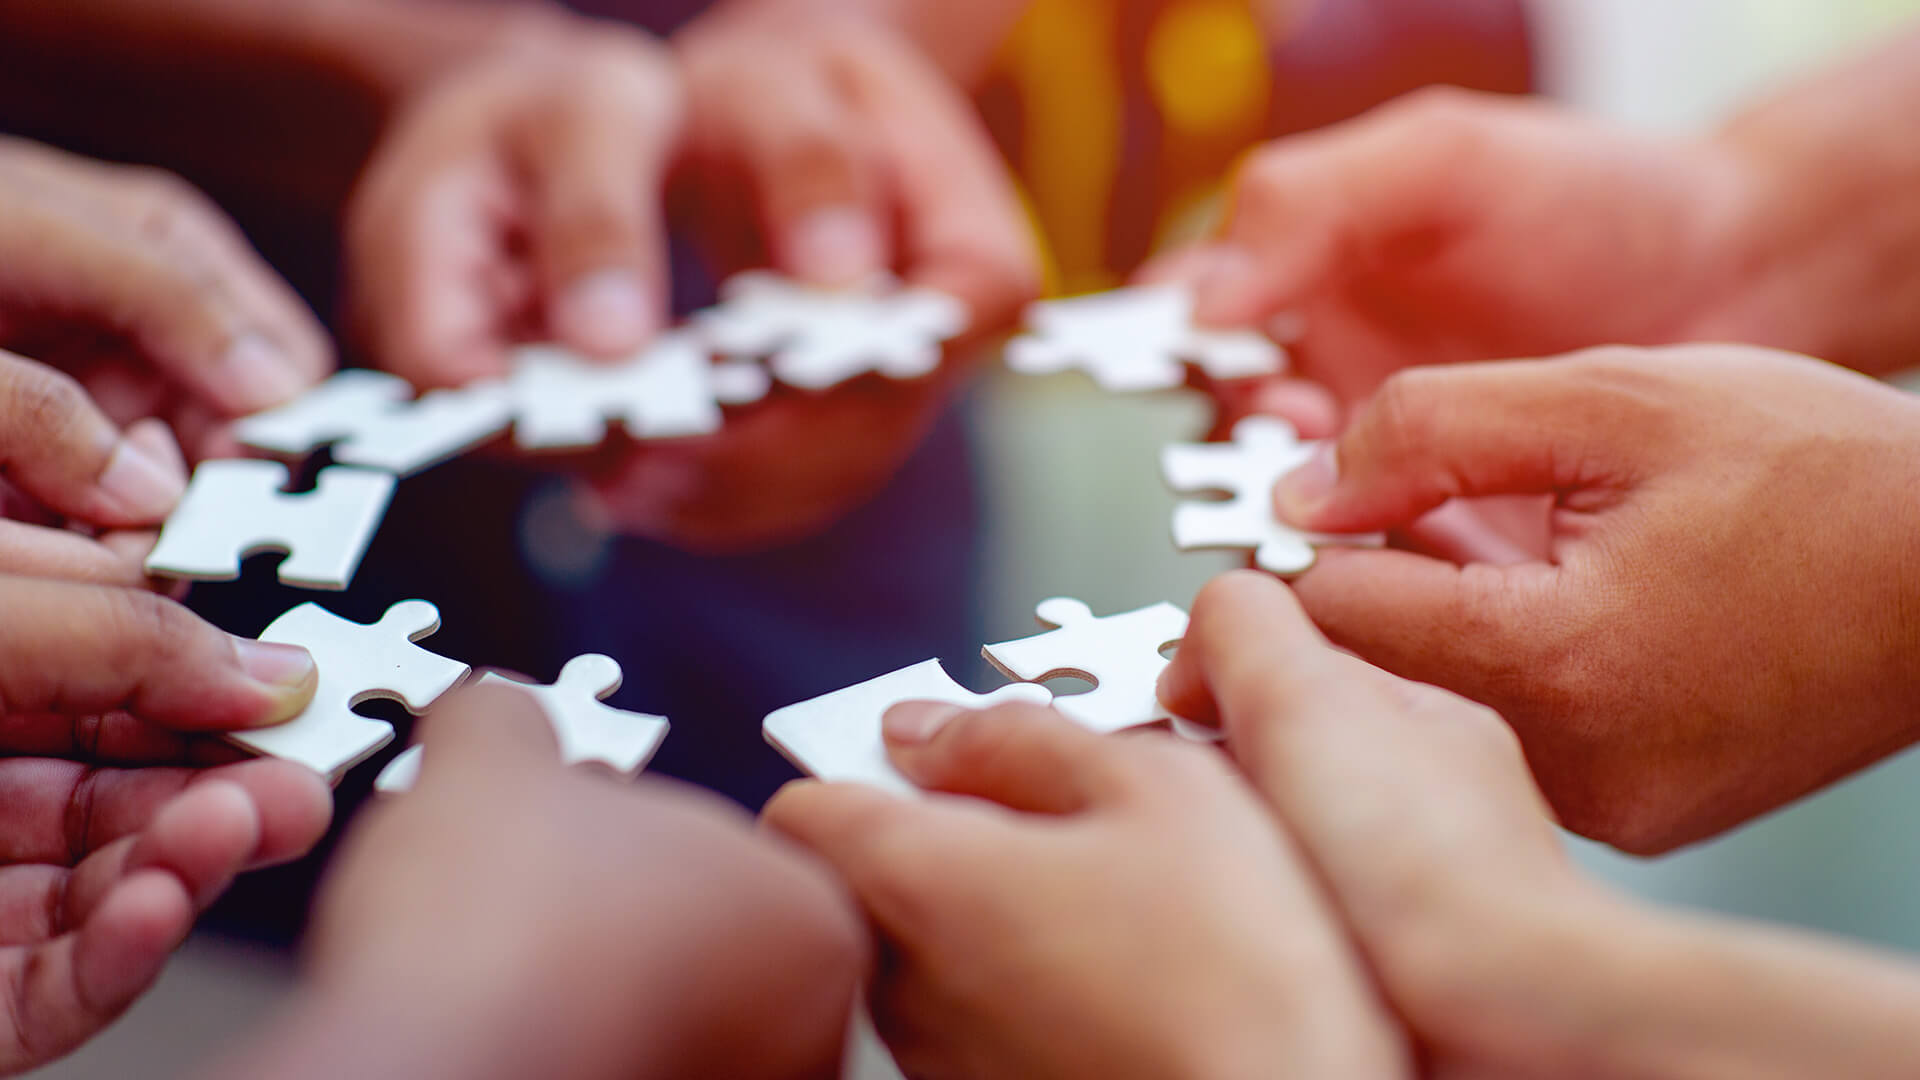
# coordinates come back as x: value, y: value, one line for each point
x: 1136, y: 339
x: 818, y: 338
x: 372, y: 420
x: 235, y: 509
x: 585, y: 727
x: 1263, y: 449
x: 837, y: 736
x: 357, y: 663
x: 1119, y: 654
x: 563, y: 401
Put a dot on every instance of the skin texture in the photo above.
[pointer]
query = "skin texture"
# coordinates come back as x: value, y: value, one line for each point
x: 1415, y: 809
x: 1130, y: 891
x: 563, y: 924
x: 124, y: 818
x: 1723, y: 621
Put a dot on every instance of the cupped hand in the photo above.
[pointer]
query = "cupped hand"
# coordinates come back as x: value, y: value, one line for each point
x: 522, y: 919
x: 134, y: 283
x: 1121, y: 907
x: 124, y: 818
x: 1723, y: 621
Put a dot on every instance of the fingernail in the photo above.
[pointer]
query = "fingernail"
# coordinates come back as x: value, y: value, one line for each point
x: 836, y: 246
x: 143, y: 484
x: 1304, y: 491
x: 259, y: 375
x: 606, y: 312
x: 915, y: 723
x: 287, y: 670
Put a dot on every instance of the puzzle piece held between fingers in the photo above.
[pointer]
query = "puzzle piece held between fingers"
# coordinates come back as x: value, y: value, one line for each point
x: 236, y: 509
x: 818, y: 338
x: 1119, y: 654
x: 1263, y: 449
x: 1136, y: 339
x: 837, y: 736
x: 373, y: 421
x: 563, y: 401
x: 356, y: 663
x: 586, y: 728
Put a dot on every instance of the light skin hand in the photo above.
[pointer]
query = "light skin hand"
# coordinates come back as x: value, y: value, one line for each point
x: 124, y: 817
x: 134, y: 283
x: 1415, y: 808
x: 509, y: 917
x: 1130, y: 891
x: 1721, y: 623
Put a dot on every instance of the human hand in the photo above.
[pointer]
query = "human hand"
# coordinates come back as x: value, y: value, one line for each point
x: 509, y: 917
x: 1415, y: 809
x: 1722, y: 624
x: 516, y: 198
x: 135, y: 284
x: 1118, y: 907
x: 124, y: 818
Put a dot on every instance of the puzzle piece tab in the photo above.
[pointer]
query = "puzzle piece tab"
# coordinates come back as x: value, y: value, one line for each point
x: 837, y: 736
x: 1263, y: 449
x: 235, y: 509
x: 818, y: 338
x: 1136, y: 339
x: 356, y: 663
x: 563, y: 401
x: 585, y: 727
x: 373, y: 421
x: 1119, y: 654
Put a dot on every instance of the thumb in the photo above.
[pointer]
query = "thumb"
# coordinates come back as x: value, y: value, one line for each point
x: 58, y: 447
x: 488, y: 731
x: 1024, y: 757
x: 1435, y: 434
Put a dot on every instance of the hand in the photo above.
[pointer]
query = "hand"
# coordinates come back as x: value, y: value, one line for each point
x: 517, y: 198
x: 1724, y: 622
x: 1415, y: 809
x: 135, y: 284
x: 1117, y: 907
x: 511, y: 918
x: 1456, y: 227
x: 123, y: 819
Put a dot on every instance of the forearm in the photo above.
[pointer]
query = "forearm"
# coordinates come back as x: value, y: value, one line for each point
x: 1830, y: 262
x: 285, y: 96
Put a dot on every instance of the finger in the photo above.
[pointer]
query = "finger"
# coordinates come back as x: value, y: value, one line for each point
x: 963, y: 229
x: 59, y: 994
x: 483, y: 733
x: 56, y: 446
x: 1310, y: 407
x: 1024, y: 757
x: 62, y: 811
x: 597, y: 166
x: 40, y: 551
x: 79, y: 649
x: 1434, y: 434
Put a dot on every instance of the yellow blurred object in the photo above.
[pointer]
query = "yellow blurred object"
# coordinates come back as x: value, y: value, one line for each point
x: 1207, y: 64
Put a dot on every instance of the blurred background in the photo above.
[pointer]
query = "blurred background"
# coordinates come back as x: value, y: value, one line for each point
x: 1073, y: 502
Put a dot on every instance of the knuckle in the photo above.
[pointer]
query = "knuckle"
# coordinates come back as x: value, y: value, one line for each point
x: 1403, y: 419
x: 40, y: 400
x: 144, y: 630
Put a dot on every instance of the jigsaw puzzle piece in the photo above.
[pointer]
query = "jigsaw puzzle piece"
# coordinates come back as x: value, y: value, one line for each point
x: 1263, y: 449
x: 817, y: 338
x: 1119, y: 654
x: 837, y: 736
x: 563, y: 401
x: 236, y: 509
x: 585, y: 727
x: 1136, y: 339
x: 373, y: 421
x: 356, y: 663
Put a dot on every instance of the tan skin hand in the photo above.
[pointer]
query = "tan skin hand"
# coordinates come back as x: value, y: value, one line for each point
x: 1120, y: 908
x: 1723, y: 621
x: 133, y: 283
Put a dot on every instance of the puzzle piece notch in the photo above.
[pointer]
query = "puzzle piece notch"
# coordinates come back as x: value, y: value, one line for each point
x: 1136, y: 339
x: 1119, y: 654
x: 563, y: 401
x: 234, y: 510
x: 1263, y: 449
x: 357, y: 663
x: 372, y: 420
x: 817, y: 338
x: 585, y: 727
x: 837, y: 736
